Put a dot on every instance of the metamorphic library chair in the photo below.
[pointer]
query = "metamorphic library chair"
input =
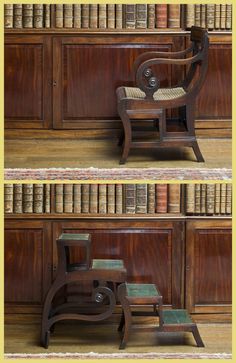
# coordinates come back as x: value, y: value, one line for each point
x: 149, y: 101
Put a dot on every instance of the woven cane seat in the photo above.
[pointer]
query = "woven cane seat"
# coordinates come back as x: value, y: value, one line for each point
x: 161, y: 94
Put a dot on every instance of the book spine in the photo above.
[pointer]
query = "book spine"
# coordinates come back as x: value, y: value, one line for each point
x: 68, y: 16
x: 228, y: 198
x: 102, y: 199
x: 161, y: 16
x: 222, y: 198
x: 68, y: 198
x: 111, y: 16
x: 217, y: 16
x: 151, y: 16
x: 111, y: 198
x: 93, y: 15
x: 27, y: 198
x: 17, y: 197
x: 8, y: 15
x: 85, y: 15
x: 151, y: 199
x: 47, y: 198
x: 85, y: 196
x: 129, y: 198
x: 203, y: 198
x: 141, y: 16
x: 130, y: 16
x: 161, y: 198
x: 102, y: 16
x: 38, y: 16
x: 174, y: 198
x: 77, y: 198
x: 8, y: 198
x: 228, y: 21
x: 17, y: 16
x: 217, y: 198
x: 210, y: 16
x: 198, y: 15
x: 77, y: 15
x: 59, y: 198
x: 47, y: 16
x: 119, y: 16
x: 38, y: 198
x: 203, y: 15
x: 174, y: 16
x: 222, y: 16
x: 119, y: 199
x: 190, y: 15
x: 190, y: 199
x: 27, y: 15
x: 197, y: 199
x: 141, y: 198
x: 93, y: 202
x: 210, y: 198
x: 59, y: 16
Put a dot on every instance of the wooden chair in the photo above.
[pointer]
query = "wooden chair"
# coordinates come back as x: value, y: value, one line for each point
x: 102, y: 273
x: 149, y: 101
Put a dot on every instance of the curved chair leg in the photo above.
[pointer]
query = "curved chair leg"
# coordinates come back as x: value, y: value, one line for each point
x: 197, y: 152
x: 122, y: 321
x: 127, y: 135
x: 197, y: 337
x: 121, y: 138
x: 127, y: 315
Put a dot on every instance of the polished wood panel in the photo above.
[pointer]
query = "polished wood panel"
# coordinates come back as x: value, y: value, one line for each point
x: 209, y: 266
x: 27, y: 82
x: 28, y: 262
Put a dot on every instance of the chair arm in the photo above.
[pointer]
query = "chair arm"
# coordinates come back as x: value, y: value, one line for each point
x: 148, y: 82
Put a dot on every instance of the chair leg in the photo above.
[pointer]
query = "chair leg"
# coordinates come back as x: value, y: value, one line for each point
x: 197, y: 337
x: 128, y: 321
x: 122, y: 322
x: 128, y: 135
x: 197, y: 152
x: 121, y: 138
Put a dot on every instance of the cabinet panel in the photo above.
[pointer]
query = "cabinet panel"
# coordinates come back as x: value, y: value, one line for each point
x: 209, y: 266
x: 27, y: 82
x: 28, y: 261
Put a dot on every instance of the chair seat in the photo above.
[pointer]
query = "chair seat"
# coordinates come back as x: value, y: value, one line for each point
x: 161, y: 94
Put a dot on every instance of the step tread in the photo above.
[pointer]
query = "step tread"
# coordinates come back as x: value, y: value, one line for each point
x: 142, y: 290
x: 107, y: 264
x: 177, y: 316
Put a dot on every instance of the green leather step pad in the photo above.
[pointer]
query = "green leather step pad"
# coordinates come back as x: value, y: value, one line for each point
x: 75, y: 236
x: 178, y: 316
x: 108, y: 264
x: 141, y: 290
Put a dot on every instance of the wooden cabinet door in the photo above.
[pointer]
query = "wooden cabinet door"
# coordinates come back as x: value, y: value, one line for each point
x: 87, y: 71
x: 28, y: 264
x: 28, y: 75
x: 152, y: 251
x: 209, y: 266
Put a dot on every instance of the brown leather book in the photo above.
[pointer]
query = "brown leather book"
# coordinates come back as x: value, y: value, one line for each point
x: 59, y: 198
x: 217, y: 198
x: 93, y: 202
x: 222, y: 198
x: 228, y: 198
x: 102, y: 16
x: 222, y: 16
x: 130, y: 16
x: 111, y: 21
x: 38, y: 205
x: 197, y: 198
x: 77, y: 15
x: 203, y: 198
x: 38, y: 16
x: 151, y: 16
x: 111, y: 198
x: 85, y: 196
x: 151, y: 199
x: 8, y: 198
x: 190, y: 199
x: 68, y: 198
x: 141, y: 198
x: 228, y: 20
x: 203, y: 16
x: 77, y: 198
x: 129, y: 198
x: 141, y: 16
x: 119, y: 16
x: 47, y: 16
x: 28, y: 15
x: 197, y: 14
x: 173, y: 198
x: 68, y: 16
x: 17, y: 16
x: 102, y: 199
x: 210, y: 16
x: 17, y: 198
x: 174, y: 16
x: 8, y: 15
x: 47, y: 198
x: 161, y: 198
x: 190, y: 15
x: 119, y: 199
x: 217, y: 16
x: 93, y: 16
x: 59, y: 16
x: 85, y: 15
x: 27, y: 198
x: 210, y: 199
x: 161, y: 15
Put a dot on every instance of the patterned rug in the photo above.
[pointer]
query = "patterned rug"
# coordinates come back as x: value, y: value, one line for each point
x: 121, y: 356
x: 146, y: 174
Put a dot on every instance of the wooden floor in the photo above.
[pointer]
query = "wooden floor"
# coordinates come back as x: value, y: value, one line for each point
x: 81, y: 337
x: 55, y: 153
